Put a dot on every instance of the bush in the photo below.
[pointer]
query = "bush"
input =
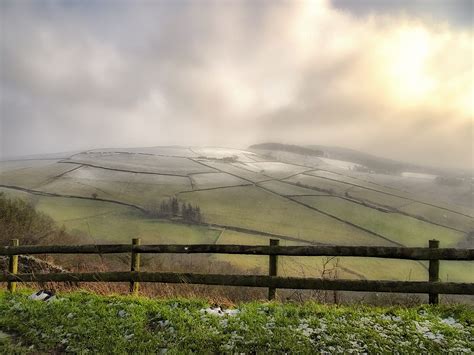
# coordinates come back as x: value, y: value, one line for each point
x: 20, y: 220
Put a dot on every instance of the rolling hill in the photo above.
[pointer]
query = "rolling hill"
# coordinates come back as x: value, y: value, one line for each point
x: 247, y: 197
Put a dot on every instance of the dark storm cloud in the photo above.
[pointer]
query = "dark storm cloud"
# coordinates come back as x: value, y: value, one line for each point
x: 79, y: 75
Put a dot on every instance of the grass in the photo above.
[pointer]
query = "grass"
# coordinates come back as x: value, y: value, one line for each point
x: 444, y: 217
x: 11, y: 193
x: 325, y: 185
x: 276, y: 170
x: 87, y: 323
x: 351, y: 180
x: 287, y: 189
x: 252, y: 208
x: 431, y: 213
x: 220, y: 153
x: 402, y: 229
x: 34, y: 176
x: 213, y: 180
x: 426, y: 190
x: 142, y: 163
x: 238, y: 171
x: 248, y: 207
x: 349, y: 267
x: 107, y: 222
x: 162, y: 150
x: 139, y: 189
x: 11, y: 165
x: 377, y: 198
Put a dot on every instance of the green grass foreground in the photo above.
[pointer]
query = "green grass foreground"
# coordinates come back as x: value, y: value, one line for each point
x: 84, y: 322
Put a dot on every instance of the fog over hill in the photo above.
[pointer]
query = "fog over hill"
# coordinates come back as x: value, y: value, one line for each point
x: 389, y: 78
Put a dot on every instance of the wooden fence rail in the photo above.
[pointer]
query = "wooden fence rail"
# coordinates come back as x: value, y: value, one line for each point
x: 252, y: 281
x: 433, y: 287
x: 326, y: 250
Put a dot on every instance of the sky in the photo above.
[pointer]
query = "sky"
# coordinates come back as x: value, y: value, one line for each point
x: 391, y: 78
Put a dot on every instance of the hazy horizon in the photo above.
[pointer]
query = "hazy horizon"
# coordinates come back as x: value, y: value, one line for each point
x: 392, y: 79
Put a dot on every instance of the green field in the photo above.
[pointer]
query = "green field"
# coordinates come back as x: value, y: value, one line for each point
x: 252, y: 208
x: 349, y: 180
x: 107, y: 222
x: 405, y: 230
x: 328, y: 186
x: 139, y: 189
x: 237, y: 170
x: 457, y: 198
x: 384, y: 197
x: 287, y: 189
x: 275, y: 170
x: 87, y: 323
x: 35, y: 176
x: 141, y: 163
x: 240, y: 189
x: 213, y: 180
x: 351, y: 268
x: 347, y: 267
x: 447, y: 218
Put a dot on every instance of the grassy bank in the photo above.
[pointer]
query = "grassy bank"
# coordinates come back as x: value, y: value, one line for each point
x: 82, y: 322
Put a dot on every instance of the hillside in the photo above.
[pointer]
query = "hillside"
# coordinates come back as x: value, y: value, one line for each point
x: 81, y: 322
x: 370, y: 162
x: 246, y: 197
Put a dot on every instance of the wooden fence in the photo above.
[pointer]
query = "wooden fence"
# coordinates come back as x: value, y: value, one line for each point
x: 433, y: 254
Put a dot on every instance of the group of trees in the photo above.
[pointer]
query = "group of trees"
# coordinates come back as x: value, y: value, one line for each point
x: 171, y: 208
x: 191, y: 214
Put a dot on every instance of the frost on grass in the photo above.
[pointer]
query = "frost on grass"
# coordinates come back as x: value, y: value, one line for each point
x: 218, y: 311
x: 85, y: 323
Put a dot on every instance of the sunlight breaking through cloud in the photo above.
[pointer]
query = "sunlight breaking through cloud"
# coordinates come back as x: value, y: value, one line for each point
x: 77, y: 76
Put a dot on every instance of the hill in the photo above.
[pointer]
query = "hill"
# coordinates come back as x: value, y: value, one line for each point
x: 247, y: 197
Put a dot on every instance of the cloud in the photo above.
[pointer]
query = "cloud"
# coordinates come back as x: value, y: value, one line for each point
x: 118, y: 73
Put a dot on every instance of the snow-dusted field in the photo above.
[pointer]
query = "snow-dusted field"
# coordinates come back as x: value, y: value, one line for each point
x: 341, y: 164
x: 418, y: 175
x: 214, y: 180
x: 141, y: 163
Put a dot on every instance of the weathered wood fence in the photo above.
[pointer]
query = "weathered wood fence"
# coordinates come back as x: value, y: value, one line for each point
x: 433, y: 254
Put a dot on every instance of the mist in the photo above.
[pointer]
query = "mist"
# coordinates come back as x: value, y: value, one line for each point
x: 82, y: 75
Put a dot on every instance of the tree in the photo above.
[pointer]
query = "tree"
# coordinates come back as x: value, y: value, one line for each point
x: 164, y: 209
x: 174, y: 206
x: 191, y: 214
x: 198, y: 215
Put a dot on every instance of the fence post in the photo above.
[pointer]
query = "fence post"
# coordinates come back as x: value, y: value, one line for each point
x: 273, y: 269
x: 433, y: 272
x: 135, y: 266
x: 13, y: 266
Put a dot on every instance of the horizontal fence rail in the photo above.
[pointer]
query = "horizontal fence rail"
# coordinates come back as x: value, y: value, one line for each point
x: 359, y: 251
x: 433, y: 254
x: 252, y: 281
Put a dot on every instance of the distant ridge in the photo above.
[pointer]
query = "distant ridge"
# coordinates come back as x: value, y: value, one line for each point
x: 289, y: 148
x: 374, y: 163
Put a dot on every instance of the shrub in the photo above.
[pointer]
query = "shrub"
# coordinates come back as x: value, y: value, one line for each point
x: 20, y: 220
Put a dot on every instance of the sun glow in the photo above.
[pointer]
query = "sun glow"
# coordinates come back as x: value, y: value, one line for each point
x: 407, y: 54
